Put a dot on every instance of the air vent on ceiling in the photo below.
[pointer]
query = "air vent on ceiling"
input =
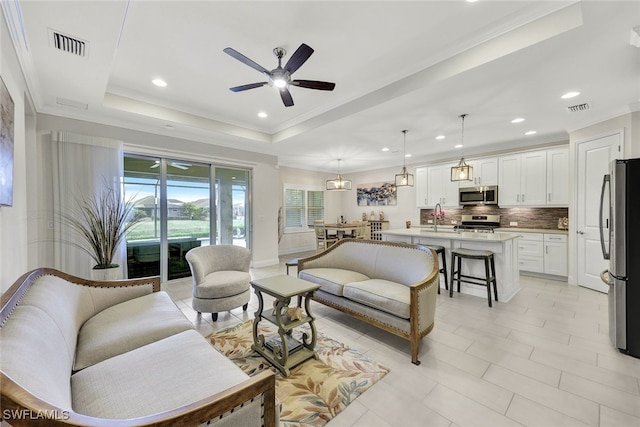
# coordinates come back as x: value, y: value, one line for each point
x: 579, y: 107
x: 68, y: 44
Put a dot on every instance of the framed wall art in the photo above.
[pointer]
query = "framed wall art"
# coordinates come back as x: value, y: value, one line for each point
x: 377, y: 194
x: 6, y: 145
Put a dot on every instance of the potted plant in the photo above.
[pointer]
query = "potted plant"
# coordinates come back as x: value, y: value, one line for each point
x: 101, y: 221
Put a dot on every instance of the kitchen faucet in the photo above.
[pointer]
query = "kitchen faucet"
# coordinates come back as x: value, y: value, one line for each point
x: 436, y: 214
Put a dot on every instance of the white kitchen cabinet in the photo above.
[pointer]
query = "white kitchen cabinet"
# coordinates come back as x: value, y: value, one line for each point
x: 531, y: 252
x: 523, y: 179
x: 485, y: 172
x: 439, y: 187
x: 421, y: 187
x: 558, y: 177
x: 555, y: 254
x: 543, y: 253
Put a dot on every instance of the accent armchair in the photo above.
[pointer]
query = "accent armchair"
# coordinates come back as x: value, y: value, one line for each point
x: 220, y: 276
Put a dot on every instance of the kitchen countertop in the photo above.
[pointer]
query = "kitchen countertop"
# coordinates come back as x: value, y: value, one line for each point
x: 531, y: 230
x: 449, y: 234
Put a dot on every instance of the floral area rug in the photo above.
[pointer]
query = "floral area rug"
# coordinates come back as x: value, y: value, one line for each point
x: 316, y: 390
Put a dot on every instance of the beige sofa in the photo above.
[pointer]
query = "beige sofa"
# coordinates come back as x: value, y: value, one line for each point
x: 80, y: 352
x: 390, y: 285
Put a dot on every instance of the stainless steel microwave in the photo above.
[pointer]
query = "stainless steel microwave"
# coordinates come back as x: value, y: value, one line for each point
x: 487, y: 195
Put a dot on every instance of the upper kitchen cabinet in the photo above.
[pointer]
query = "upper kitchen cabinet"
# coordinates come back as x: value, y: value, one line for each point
x: 421, y: 187
x: 485, y: 172
x: 558, y: 177
x: 434, y: 185
x: 523, y: 179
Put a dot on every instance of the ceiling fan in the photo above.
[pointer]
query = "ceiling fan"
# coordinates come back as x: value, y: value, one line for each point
x: 281, y: 77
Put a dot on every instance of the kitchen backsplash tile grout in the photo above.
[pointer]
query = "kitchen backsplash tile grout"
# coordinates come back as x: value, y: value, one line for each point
x: 542, y: 218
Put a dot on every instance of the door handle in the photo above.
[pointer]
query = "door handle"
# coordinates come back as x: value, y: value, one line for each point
x: 580, y: 232
x: 549, y: 197
x: 518, y: 199
x: 523, y: 198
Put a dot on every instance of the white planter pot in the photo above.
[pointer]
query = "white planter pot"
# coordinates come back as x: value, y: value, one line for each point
x: 105, y: 273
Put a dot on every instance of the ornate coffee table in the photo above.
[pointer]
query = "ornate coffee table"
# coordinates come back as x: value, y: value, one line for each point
x: 282, y: 350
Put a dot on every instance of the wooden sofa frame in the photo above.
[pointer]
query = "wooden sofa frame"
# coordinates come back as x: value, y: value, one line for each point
x: 21, y: 408
x: 415, y: 335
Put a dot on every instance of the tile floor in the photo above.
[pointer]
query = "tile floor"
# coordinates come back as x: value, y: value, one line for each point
x: 542, y: 359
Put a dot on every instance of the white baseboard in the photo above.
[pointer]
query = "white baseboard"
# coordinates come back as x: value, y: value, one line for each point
x: 265, y: 263
x: 297, y: 250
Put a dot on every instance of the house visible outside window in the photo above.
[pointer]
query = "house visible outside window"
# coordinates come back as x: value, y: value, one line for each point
x: 301, y: 207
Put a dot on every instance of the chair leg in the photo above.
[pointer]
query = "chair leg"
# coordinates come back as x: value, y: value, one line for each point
x: 495, y: 280
x: 459, y: 272
x: 214, y: 316
x: 488, y: 279
x: 444, y: 270
x: 453, y: 275
x: 244, y: 307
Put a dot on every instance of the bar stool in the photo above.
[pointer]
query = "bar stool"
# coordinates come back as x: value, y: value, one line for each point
x: 439, y: 250
x: 490, y: 276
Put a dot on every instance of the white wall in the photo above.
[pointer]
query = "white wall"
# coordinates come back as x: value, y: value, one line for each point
x: 303, y: 241
x: 13, y: 219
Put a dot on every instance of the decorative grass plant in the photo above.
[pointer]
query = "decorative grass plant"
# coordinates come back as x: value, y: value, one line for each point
x: 101, y: 221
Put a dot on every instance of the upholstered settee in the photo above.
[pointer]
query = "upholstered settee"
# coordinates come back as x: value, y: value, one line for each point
x: 390, y: 285
x: 81, y: 352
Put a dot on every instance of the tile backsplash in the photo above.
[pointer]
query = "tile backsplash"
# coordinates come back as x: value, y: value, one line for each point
x: 544, y: 218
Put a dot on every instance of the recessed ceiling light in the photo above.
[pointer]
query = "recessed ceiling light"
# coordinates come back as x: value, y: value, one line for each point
x: 440, y: 137
x: 471, y: 1
x: 263, y: 115
x: 407, y: 155
x: 517, y: 120
x: 531, y: 132
x: 159, y: 82
x: 458, y: 146
x: 385, y: 149
x: 570, y: 95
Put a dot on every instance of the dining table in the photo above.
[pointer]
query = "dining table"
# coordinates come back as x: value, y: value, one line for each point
x: 342, y: 229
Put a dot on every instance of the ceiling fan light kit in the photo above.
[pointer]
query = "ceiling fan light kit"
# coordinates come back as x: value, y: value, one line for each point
x: 339, y: 183
x: 462, y: 171
x: 281, y: 77
x: 404, y: 178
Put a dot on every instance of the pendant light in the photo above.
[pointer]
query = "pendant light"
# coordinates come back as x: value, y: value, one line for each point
x: 404, y: 178
x: 462, y: 171
x: 339, y: 183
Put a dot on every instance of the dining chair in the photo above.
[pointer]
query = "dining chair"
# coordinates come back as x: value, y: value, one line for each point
x: 361, y: 231
x: 322, y: 240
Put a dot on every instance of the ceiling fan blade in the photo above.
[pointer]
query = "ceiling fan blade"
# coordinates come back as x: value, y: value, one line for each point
x: 286, y: 97
x: 240, y: 57
x: 298, y: 58
x: 313, y: 84
x: 247, y: 87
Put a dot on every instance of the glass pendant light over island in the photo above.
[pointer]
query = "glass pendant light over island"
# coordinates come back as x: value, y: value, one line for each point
x: 339, y: 183
x: 462, y: 171
x: 404, y: 178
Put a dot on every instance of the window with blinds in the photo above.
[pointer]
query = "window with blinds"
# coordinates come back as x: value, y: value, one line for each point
x: 302, y: 207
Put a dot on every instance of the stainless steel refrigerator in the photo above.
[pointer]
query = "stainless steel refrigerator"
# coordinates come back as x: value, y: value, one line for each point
x: 620, y: 239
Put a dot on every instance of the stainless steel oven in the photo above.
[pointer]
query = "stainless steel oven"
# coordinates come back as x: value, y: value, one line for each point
x: 487, y: 195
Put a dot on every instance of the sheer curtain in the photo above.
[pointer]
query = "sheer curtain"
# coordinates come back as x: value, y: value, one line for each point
x: 80, y: 166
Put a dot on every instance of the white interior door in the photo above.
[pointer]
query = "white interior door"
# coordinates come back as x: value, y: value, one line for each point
x: 594, y: 158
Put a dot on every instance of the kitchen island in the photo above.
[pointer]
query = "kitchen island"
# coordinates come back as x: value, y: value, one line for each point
x: 503, y: 245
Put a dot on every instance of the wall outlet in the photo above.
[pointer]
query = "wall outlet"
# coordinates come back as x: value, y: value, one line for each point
x: 513, y: 223
x: 429, y: 221
x: 453, y: 221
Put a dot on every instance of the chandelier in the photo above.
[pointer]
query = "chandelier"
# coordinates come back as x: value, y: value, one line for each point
x: 462, y: 171
x: 339, y: 183
x: 404, y: 178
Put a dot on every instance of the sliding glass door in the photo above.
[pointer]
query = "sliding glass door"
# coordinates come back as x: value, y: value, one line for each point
x: 183, y: 205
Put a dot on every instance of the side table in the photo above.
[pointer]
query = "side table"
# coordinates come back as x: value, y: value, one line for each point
x: 282, y: 350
